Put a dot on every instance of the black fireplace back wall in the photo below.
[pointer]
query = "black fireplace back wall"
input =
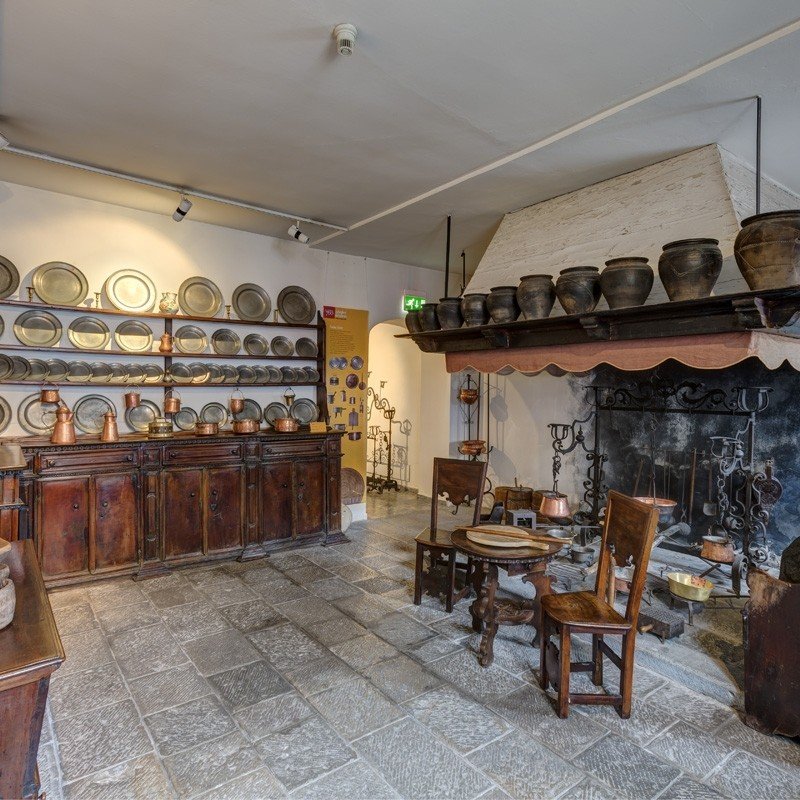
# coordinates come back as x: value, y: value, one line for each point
x: 626, y: 440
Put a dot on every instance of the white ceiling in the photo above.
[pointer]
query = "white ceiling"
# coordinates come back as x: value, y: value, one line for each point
x: 248, y: 99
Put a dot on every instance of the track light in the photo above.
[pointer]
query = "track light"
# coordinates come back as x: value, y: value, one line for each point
x: 182, y: 210
x: 297, y: 234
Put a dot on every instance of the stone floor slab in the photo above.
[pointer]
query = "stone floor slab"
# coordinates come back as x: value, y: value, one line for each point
x: 273, y: 715
x: 336, y: 631
x: 745, y: 775
x: 354, y: 781
x: 776, y: 749
x: 308, y: 610
x: 252, y: 616
x: 146, y: 650
x: 687, y: 789
x: 258, y: 785
x: 694, y: 751
x: 221, y: 651
x: 171, y: 687
x: 286, y: 646
x: 483, y: 683
x: 190, y: 724
x: 94, y: 688
x: 400, y: 630
x: 194, y: 620
x: 364, y: 651
x: 316, y: 676
x: 120, y: 618
x: 141, y: 778
x: 248, y: 684
x: 333, y: 589
x: 83, y: 650
x: 175, y: 596
x: 432, y: 649
x: 401, y: 678
x: 308, y: 574
x: 646, y: 721
x: 279, y: 590
x: 364, y: 608
x: 227, y: 593
x: 74, y: 618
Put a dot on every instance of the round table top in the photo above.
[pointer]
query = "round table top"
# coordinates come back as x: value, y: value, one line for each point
x: 501, y: 555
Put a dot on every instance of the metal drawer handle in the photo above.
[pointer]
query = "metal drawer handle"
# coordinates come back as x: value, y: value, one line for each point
x: 192, y: 494
x: 284, y: 486
x: 129, y: 458
x: 300, y: 496
x: 213, y: 506
x: 234, y: 450
x: 173, y: 454
x: 105, y: 504
x: 301, y: 484
x: 50, y: 463
x: 75, y: 506
x: 268, y: 450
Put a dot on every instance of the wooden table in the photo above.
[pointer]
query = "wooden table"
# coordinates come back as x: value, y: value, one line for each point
x: 487, y: 610
x: 30, y: 651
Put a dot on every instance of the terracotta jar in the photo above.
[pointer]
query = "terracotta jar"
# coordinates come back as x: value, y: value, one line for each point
x: 535, y: 296
x: 626, y: 281
x: 448, y: 312
x: 689, y: 268
x: 413, y: 323
x: 502, y: 304
x: 473, y: 309
x: 578, y: 289
x: 428, y: 318
x: 767, y: 249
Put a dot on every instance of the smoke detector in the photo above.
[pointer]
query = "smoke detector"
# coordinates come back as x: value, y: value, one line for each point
x: 345, y: 35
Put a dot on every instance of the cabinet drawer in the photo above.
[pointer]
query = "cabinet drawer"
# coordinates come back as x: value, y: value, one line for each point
x: 88, y: 459
x: 284, y: 449
x: 202, y: 454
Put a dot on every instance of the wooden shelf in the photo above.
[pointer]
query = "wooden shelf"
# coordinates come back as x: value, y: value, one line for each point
x: 168, y: 384
x: 773, y: 311
x: 149, y: 353
x: 87, y: 310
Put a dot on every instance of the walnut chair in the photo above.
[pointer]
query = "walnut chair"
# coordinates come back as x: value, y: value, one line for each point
x: 459, y: 481
x: 628, y: 533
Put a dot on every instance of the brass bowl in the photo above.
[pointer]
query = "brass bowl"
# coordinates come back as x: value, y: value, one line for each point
x: 680, y: 584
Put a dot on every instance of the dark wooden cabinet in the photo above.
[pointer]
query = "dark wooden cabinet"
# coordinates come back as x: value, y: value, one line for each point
x: 140, y: 506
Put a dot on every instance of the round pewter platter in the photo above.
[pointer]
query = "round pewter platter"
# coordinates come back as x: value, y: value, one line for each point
x: 296, y: 305
x: 134, y: 336
x: 190, y: 339
x: 39, y: 370
x: 152, y: 373
x: 37, y: 328
x: 89, y: 410
x: 6, y: 366
x: 88, y: 333
x: 305, y: 347
x: 226, y: 342
x: 281, y: 346
x: 139, y: 418
x: 60, y: 284
x: 20, y: 368
x: 251, y: 302
x: 9, y: 278
x: 304, y: 411
x: 130, y: 290
x: 275, y: 411
x: 214, y: 412
x: 251, y: 410
x: 256, y: 345
x: 5, y: 414
x: 36, y: 417
x: 79, y: 371
x: 185, y: 419
x: 199, y: 297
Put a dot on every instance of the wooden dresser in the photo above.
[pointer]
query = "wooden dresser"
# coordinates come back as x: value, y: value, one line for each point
x: 140, y: 506
x: 30, y: 651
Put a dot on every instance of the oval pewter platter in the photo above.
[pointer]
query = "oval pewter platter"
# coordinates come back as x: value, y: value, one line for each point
x: 134, y: 336
x: 89, y: 410
x: 9, y: 278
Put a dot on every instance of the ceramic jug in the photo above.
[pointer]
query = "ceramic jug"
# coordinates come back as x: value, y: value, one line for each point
x: 64, y: 431
x: 169, y: 303
x: 110, y: 431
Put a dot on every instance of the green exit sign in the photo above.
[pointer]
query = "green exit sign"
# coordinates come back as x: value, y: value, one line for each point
x: 412, y: 303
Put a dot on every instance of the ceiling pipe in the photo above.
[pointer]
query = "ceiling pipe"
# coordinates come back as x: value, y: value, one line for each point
x: 758, y: 154
x: 447, y: 259
x: 182, y: 190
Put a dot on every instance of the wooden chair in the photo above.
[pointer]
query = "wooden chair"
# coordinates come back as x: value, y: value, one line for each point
x: 628, y: 534
x: 459, y: 481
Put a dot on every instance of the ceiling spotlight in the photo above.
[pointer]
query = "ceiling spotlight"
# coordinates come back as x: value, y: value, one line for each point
x: 182, y: 210
x: 345, y: 35
x: 297, y: 234
x: 3, y: 142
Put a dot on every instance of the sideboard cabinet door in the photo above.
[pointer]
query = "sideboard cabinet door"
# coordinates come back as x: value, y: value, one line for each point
x: 116, y: 521
x: 181, y: 512
x: 224, y: 498
x: 63, y: 526
x: 276, y: 501
x: 310, y: 496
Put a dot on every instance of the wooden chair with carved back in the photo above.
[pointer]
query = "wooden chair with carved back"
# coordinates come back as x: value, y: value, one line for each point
x: 459, y: 481
x: 628, y: 532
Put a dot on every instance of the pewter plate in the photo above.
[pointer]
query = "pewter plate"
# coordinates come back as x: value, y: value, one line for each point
x: 9, y: 279
x: 134, y: 336
x: 152, y: 373
x: 6, y: 366
x: 251, y: 302
x: 5, y: 414
x: 312, y: 375
x: 246, y: 374
x: 185, y: 419
x: 274, y: 375
x: 190, y: 339
x: 2, y: 326
x: 101, y: 372
x: 135, y: 373
x: 130, y: 290
x: 256, y: 345
x: 199, y: 297
x: 305, y: 347
x: 199, y: 372
x: 262, y: 373
x: 230, y: 374
x: 20, y: 368
x: 88, y: 333
x: 214, y: 412
x: 119, y: 372
x: 78, y: 371
x: 180, y: 373
x: 37, y: 328
x: 251, y: 410
x: 57, y: 369
x: 275, y: 411
x: 215, y: 373
x: 296, y: 305
x: 288, y: 375
x: 226, y: 342
x: 139, y: 418
x: 36, y: 417
x: 58, y: 283
x: 89, y: 411
x: 39, y: 370
x: 304, y: 411
x: 281, y: 346
x: 356, y: 362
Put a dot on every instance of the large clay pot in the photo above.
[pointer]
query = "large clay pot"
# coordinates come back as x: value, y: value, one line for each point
x: 767, y: 249
x: 413, y: 322
x: 428, y: 318
x: 502, y: 304
x: 689, y: 268
x: 578, y: 289
x: 535, y: 296
x: 626, y: 281
x: 473, y: 309
x: 449, y: 313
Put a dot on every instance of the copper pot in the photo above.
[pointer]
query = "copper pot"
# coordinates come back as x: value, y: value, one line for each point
x: 245, y: 426
x: 665, y: 506
x: 468, y: 396
x: 49, y: 394
x: 206, y: 428
x: 554, y: 505
x: 285, y: 425
x: 172, y: 402
x: 717, y: 548
x: 132, y: 399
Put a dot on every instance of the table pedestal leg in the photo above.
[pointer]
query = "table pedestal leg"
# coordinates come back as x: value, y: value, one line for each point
x: 542, y: 583
x: 486, y: 650
x: 477, y: 584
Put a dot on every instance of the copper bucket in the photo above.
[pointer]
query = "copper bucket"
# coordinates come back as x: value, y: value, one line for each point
x: 554, y: 505
x: 172, y: 403
x: 132, y: 398
x: 49, y: 394
x: 236, y: 404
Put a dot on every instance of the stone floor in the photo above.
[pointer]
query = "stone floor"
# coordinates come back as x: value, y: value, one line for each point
x: 311, y: 675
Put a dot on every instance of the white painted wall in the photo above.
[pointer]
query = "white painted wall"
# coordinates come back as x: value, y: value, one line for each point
x: 38, y: 226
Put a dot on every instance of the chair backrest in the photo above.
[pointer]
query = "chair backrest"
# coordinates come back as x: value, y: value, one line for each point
x: 458, y: 481
x: 628, y: 530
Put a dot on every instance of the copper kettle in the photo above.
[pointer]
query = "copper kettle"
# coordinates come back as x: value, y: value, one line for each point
x: 64, y: 430
x: 554, y: 505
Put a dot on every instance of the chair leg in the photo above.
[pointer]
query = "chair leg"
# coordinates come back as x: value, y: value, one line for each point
x: 626, y: 674
x: 544, y: 678
x: 418, y: 574
x: 451, y: 580
x: 597, y: 657
x: 564, y: 672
